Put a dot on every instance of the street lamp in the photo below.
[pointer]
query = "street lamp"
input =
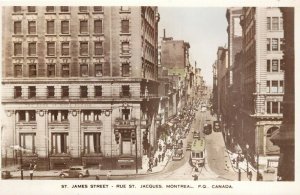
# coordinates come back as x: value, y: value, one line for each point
x: 238, y: 165
x: 247, y: 148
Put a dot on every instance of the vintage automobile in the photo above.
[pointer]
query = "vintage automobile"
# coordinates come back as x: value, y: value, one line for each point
x: 74, y: 171
x: 178, y: 155
x: 5, y: 175
x: 207, y: 129
x: 188, y: 146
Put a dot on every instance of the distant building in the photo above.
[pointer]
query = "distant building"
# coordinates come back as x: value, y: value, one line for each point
x: 79, y: 85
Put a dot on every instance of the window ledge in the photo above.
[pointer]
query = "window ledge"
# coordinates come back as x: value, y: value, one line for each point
x: 125, y: 33
x: 98, y: 12
x: 32, y: 13
x: 83, y: 34
x: 64, y: 34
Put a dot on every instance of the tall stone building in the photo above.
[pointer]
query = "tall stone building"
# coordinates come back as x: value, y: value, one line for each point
x: 262, y: 80
x: 79, y: 85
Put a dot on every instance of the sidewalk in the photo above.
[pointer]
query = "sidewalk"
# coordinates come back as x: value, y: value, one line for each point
x: 93, y: 172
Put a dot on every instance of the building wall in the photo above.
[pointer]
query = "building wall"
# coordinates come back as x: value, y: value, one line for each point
x: 110, y: 103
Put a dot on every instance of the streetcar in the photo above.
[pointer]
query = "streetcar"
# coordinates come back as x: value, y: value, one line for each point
x: 197, y: 157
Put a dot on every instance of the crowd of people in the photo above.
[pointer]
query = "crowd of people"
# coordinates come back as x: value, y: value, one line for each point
x: 170, y: 142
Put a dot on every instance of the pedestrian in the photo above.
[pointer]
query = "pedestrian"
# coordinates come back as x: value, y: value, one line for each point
x: 260, y: 176
x: 159, y: 157
x: 108, y: 175
x: 195, y: 176
x: 150, y: 165
x: 31, y: 169
x: 250, y: 175
x: 156, y: 161
x: 163, y: 156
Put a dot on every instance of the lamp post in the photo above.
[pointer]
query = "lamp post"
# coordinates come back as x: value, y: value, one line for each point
x: 247, y: 148
x: 238, y: 163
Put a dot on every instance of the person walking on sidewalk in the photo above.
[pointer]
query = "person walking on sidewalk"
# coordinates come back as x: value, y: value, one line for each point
x: 250, y: 175
x: 163, y: 156
x: 32, y: 167
x: 108, y: 175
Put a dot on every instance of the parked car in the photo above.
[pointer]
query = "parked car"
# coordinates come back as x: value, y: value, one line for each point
x: 196, y: 134
x: 269, y: 170
x: 74, y: 171
x: 207, y: 129
x: 5, y: 175
x: 178, y: 154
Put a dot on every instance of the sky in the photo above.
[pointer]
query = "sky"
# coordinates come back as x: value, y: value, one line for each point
x: 204, y: 28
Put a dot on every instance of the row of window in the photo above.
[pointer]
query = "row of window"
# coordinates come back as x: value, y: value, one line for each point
x: 65, y: 27
x: 65, y: 48
x: 273, y: 44
x: 125, y: 91
x: 274, y: 23
x: 274, y: 87
x: 65, y: 70
x: 274, y: 107
x: 18, y: 9
x: 275, y: 65
x: 60, y: 143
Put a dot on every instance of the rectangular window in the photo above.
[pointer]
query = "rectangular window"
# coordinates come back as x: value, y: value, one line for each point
x: 125, y: 91
x: 98, y: 91
x: 280, y: 89
x: 268, y: 44
x: 83, y: 8
x: 269, y: 107
x: 31, y: 91
x: 65, y: 70
x: 17, y: 91
x: 125, y: 26
x: 18, y: 27
x: 98, y: 70
x: 31, y: 8
x: 125, y: 69
x: 281, y: 44
x: 27, y: 142
x: 125, y: 114
x: 18, y: 70
x: 65, y: 48
x: 50, y: 27
x: 64, y: 8
x: 50, y: 91
x: 281, y: 65
x: 97, y: 115
x: 31, y: 49
x: 92, y: 143
x: 268, y: 23
x: 64, y: 115
x: 17, y: 8
x: 31, y: 27
x: 31, y: 115
x: 84, y: 48
x: 274, y: 44
x: 98, y: 8
x: 281, y: 23
x: 280, y: 107
x: 274, y: 65
x: 86, y: 115
x: 51, y: 49
x: 275, y: 23
x: 98, y: 26
x: 268, y: 65
x: 83, y: 26
x: 83, y: 91
x: 49, y: 8
x: 17, y: 49
x: 59, y: 143
x: 98, y: 48
x: 275, y: 108
x: 268, y: 87
x: 32, y: 70
x: 274, y: 88
x: 125, y: 47
x: 51, y: 70
x: 65, y: 27
x: 22, y: 115
x: 84, y: 70
x: 64, y: 91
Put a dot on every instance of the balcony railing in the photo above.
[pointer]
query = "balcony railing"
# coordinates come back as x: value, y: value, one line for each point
x: 127, y: 124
